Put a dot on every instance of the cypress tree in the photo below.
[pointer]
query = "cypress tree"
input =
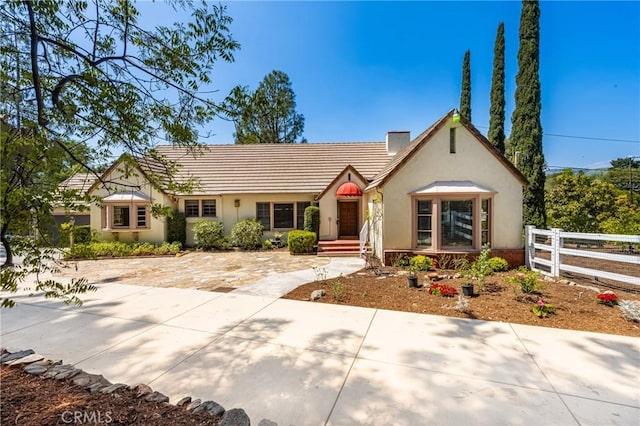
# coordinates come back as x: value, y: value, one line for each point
x: 496, y: 111
x: 465, y: 96
x: 525, y: 142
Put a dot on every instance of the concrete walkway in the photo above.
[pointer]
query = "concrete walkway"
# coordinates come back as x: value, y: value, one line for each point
x: 300, y: 363
x: 278, y: 284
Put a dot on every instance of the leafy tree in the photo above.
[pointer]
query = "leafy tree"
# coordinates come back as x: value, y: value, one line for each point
x: 496, y: 113
x: 268, y: 115
x: 525, y: 142
x: 624, y: 174
x: 625, y: 218
x: 465, y: 96
x: 92, y: 74
x: 579, y: 203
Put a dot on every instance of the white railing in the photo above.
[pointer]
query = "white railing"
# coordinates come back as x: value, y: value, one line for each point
x: 554, y: 244
x: 364, y: 238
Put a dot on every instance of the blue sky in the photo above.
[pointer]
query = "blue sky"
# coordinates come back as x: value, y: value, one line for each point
x: 360, y: 69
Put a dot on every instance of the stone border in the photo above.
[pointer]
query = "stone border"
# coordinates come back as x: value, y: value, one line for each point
x: 36, y: 364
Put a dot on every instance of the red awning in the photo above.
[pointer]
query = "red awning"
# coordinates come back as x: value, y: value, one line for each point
x: 348, y: 189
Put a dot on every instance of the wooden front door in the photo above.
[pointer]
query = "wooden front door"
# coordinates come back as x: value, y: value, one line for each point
x: 348, y: 219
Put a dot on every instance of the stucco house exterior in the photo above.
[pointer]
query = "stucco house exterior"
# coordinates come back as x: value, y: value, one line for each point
x: 446, y: 191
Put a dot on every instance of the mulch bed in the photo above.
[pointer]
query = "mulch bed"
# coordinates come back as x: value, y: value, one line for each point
x: 576, y: 306
x: 30, y: 400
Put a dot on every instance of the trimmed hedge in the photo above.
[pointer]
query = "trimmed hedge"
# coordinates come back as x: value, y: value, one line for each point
x: 177, y: 228
x: 312, y: 220
x: 119, y: 249
x: 301, y: 242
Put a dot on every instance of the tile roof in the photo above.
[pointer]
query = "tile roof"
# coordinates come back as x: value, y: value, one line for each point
x: 274, y: 168
x: 80, y: 182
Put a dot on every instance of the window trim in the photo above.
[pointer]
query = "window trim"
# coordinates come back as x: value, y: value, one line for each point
x: 108, y: 216
x: 436, y: 225
x: 202, y: 206
x: 197, y: 205
x: 272, y: 214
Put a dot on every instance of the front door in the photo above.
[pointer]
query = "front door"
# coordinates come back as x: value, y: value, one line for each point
x: 348, y: 211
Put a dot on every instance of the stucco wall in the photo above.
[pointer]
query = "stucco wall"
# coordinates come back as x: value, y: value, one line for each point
x: 329, y: 207
x: 472, y: 161
x: 228, y: 214
x: 119, y: 183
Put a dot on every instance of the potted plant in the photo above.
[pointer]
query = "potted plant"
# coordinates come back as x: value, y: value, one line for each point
x: 412, y: 277
x: 467, y: 289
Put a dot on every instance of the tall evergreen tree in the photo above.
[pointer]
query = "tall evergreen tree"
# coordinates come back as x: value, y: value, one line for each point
x: 496, y: 111
x: 267, y: 115
x: 465, y: 96
x: 525, y: 142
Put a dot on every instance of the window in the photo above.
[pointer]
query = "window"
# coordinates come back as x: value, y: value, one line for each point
x: 452, y: 140
x: 192, y: 208
x: 423, y: 208
x: 457, y: 223
x: 209, y: 208
x: 301, y: 206
x: 263, y: 215
x: 121, y: 216
x: 283, y: 215
x: 142, y: 217
x: 486, y: 205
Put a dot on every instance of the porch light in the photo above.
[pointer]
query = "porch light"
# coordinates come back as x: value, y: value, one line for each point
x: 456, y: 116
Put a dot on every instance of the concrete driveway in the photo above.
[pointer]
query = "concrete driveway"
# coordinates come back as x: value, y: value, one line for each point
x: 300, y: 363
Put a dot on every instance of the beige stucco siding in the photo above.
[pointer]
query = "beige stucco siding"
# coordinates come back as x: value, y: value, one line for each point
x: 433, y: 162
x: 156, y: 232
x: 229, y: 214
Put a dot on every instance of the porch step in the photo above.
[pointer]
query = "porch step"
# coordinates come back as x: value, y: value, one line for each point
x: 339, y: 248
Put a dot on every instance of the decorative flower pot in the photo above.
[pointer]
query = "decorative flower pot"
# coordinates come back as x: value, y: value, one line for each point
x: 467, y: 289
x: 412, y: 282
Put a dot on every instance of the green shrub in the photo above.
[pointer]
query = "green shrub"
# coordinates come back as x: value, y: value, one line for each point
x: 247, y: 234
x: 143, y: 249
x: 301, y: 242
x: 479, y: 270
x: 119, y: 249
x: 82, y: 234
x: 267, y: 245
x: 312, y: 220
x: 420, y: 263
x: 498, y: 264
x: 177, y: 228
x: 527, y: 281
x: 80, y: 251
x: 166, y: 248
x: 208, y: 235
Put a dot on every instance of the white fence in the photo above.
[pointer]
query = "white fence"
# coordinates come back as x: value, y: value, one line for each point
x: 553, y: 246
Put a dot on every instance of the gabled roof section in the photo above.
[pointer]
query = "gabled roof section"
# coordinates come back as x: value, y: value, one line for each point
x: 127, y: 196
x: 410, y: 150
x: 126, y: 158
x: 274, y: 168
x: 347, y: 169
